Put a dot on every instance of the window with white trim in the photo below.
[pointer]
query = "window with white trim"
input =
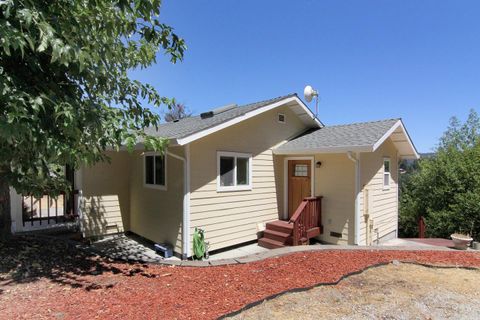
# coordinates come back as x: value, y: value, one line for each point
x: 155, y: 171
x: 234, y: 171
x: 386, y: 173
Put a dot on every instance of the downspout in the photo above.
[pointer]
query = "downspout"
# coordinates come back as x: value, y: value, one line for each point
x: 397, y: 161
x: 78, y: 179
x: 186, y: 200
x: 356, y: 159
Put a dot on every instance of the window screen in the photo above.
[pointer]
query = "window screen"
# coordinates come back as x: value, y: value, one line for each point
x: 155, y: 170
x: 242, y: 171
x: 386, y: 173
x: 386, y: 165
x: 159, y: 170
x: 234, y: 171
x: 149, y: 170
x: 227, y: 165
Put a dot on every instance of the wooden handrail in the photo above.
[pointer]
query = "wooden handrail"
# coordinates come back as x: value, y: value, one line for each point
x: 307, y: 216
x: 299, y: 211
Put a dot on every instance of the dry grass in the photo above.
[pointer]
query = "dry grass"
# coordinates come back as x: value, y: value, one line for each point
x: 402, y: 291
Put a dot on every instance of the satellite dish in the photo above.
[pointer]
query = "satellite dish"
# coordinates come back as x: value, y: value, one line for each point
x: 309, y: 93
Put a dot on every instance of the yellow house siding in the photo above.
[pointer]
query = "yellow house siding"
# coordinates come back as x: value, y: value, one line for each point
x: 230, y: 218
x: 157, y: 214
x: 335, y: 181
x: 105, y: 188
x: 383, y: 207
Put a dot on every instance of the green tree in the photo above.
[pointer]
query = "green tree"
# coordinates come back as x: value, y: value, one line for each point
x: 446, y: 188
x: 65, y: 93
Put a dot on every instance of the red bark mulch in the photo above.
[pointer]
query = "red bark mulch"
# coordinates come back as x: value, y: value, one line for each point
x: 127, y: 291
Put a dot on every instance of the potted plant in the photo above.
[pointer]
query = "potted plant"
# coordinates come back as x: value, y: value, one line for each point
x: 461, y: 241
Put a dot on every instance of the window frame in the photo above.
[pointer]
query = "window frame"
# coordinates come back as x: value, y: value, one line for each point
x: 149, y: 185
x: 284, y: 118
x: 235, y: 187
x: 385, y: 173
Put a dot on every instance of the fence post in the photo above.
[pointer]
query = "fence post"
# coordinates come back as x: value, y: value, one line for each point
x: 421, y: 227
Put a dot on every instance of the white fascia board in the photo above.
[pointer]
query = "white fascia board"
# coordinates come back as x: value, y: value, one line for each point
x: 248, y: 115
x: 309, y: 112
x: 397, y: 124
x: 342, y: 149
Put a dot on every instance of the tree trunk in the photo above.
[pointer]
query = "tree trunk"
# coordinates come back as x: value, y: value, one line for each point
x: 5, y: 218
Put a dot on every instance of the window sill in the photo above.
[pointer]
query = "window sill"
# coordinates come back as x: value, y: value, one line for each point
x: 155, y: 186
x: 385, y: 188
x: 234, y: 189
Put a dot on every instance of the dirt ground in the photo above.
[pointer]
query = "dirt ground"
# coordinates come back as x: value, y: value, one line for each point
x: 402, y: 291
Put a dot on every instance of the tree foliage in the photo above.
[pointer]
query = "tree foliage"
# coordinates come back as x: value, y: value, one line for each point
x: 65, y: 93
x: 446, y: 187
x: 177, y: 112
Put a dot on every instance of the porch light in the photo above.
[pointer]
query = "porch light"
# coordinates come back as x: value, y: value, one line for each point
x: 318, y: 164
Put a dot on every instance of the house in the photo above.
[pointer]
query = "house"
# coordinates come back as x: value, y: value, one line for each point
x: 234, y: 170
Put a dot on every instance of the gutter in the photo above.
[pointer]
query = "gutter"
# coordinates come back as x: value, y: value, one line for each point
x: 356, y: 159
x: 186, y: 201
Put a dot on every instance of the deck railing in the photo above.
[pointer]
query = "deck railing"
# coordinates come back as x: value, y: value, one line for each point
x: 307, y: 220
x: 47, y: 209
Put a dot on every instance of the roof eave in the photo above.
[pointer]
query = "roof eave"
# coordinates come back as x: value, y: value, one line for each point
x: 413, y: 155
x: 332, y: 149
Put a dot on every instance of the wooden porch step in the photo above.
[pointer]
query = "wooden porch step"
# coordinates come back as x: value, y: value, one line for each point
x: 280, y: 226
x: 276, y: 235
x: 313, y: 232
x: 269, y: 243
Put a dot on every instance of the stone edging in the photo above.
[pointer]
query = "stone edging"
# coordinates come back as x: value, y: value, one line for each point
x: 273, y: 253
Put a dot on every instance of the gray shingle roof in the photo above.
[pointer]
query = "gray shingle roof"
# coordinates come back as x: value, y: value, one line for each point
x: 341, y: 136
x: 191, y: 125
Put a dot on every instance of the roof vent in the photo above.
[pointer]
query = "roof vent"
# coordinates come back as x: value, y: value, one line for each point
x: 224, y: 108
x: 206, y: 115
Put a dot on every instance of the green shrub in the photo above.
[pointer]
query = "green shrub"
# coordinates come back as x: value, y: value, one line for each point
x: 446, y: 187
x: 199, y: 247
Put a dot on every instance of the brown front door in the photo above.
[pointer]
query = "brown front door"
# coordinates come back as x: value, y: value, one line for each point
x: 299, y: 183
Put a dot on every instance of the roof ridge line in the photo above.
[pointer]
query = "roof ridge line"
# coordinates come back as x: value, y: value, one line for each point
x: 363, y: 122
x: 294, y: 94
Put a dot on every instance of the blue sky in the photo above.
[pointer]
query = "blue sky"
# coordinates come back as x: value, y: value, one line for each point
x: 370, y: 60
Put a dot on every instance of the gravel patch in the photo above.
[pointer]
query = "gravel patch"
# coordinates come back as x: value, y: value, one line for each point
x: 395, y: 291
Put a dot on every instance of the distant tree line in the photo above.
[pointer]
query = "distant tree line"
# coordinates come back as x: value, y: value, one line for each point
x: 444, y: 187
x: 176, y: 112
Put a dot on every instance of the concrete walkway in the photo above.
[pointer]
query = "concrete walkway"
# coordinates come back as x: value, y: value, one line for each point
x: 403, y: 243
x: 424, y: 242
x: 243, y: 251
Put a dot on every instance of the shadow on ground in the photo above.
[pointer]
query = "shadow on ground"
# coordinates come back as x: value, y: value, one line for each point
x: 28, y: 258
x: 131, y: 248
